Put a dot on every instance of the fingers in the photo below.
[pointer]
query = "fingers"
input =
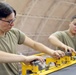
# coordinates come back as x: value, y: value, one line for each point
x: 69, y: 49
x: 40, y: 59
x: 32, y: 58
x: 61, y: 53
x: 58, y: 54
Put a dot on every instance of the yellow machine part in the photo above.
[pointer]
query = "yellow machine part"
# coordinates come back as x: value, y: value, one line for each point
x: 58, y: 64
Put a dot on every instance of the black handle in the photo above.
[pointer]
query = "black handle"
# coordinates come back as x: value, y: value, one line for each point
x: 68, y: 53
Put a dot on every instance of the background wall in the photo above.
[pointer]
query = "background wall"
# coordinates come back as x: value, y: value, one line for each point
x: 38, y: 19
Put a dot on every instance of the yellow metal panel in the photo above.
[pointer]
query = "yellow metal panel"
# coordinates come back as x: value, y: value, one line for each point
x: 59, y: 64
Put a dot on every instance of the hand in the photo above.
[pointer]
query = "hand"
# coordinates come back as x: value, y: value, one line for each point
x: 68, y: 48
x: 57, y: 54
x: 33, y: 57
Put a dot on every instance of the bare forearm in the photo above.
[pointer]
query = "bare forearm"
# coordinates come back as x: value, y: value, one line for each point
x: 56, y: 42
x: 40, y: 47
x: 13, y: 58
x: 7, y: 57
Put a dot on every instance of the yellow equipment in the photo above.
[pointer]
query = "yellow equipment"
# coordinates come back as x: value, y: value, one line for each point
x: 36, y: 68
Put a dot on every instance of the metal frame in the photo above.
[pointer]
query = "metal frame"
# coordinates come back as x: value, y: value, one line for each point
x: 59, y: 64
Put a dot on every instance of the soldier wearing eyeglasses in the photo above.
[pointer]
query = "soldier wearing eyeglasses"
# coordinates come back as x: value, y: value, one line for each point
x: 10, y: 37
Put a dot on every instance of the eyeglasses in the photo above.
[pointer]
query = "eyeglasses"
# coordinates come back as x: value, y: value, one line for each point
x: 10, y: 21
